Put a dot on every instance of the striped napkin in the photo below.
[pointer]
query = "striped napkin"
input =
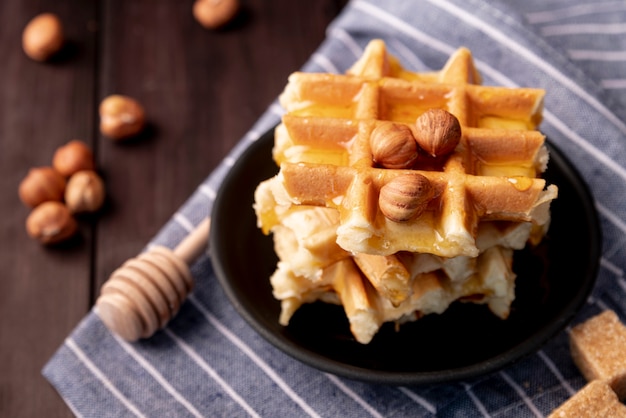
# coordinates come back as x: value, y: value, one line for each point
x: 209, y: 362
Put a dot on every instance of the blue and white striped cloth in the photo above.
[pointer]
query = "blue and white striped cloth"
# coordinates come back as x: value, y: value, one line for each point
x: 209, y: 362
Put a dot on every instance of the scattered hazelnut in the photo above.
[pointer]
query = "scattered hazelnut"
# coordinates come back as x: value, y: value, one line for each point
x: 43, y: 37
x: 50, y: 223
x: 41, y: 184
x: 84, y: 192
x: 405, y: 197
x: 121, y: 117
x: 72, y: 157
x: 213, y: 14
x: 438, y: 132
x: 393, y: 146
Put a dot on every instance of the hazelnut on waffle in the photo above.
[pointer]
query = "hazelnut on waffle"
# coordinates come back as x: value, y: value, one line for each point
x: 403, y: 166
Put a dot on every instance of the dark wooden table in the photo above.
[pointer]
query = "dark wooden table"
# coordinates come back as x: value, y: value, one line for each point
x: 202, y: 90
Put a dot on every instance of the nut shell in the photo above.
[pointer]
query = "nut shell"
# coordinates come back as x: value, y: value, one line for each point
x: 405, y: 197
x: 50, y: 223
x: 41, y: 184
x: 393, y: 146
x: 84, y: 192
x: 438, y: 132
x: 121, y: 117
x: 73, y: 157
x: 43, y: 37
x: 213, y: 14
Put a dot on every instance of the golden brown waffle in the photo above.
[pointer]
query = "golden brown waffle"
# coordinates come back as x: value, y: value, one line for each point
x: 374, y: 289
x: 482, y: 199
x: 324, y: 151
x: 434, y: 284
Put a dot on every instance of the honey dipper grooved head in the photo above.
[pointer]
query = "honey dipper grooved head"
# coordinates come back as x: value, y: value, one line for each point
x: 116, y: 311
x: 143, y: 294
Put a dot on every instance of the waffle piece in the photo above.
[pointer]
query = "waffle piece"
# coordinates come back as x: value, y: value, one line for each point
x: 323, y: 148
x: 401, y: 287
x: 447, y: 228
x: 387, y: 274
x: 360, y: 301
x: 598, y: 348
x: 293, y: 291
x: 491, y: 282
x: 306, y: 239
x: 338, y: 206
x: 398, y: 288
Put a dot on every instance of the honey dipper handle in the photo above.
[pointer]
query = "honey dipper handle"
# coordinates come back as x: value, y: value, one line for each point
x: 195, y: 243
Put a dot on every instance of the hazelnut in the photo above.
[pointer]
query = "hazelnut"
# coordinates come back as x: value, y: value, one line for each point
x: 84, y: 192
x: 405, y: 197
x: 438, y: 132
x: 42, y: 37
x: 50, y: 223
x: 72, y: 157
x: 41, y: 184
x: 213, y: 14
x: 121, y: 117
x: 393, y: 146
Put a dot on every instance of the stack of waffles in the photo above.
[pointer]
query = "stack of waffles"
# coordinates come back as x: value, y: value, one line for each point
x: 400, y: 193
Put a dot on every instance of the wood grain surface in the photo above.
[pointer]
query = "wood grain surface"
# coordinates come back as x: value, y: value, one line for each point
x: 202, y: 90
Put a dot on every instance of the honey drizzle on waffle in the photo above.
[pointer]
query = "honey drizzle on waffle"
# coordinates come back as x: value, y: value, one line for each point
x: 492, y: 174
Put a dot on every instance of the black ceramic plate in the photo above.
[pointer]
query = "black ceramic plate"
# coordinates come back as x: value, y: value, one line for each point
x: 553, y: 282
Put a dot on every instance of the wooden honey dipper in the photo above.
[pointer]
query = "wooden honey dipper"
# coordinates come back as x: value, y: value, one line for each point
x: 143, y: 294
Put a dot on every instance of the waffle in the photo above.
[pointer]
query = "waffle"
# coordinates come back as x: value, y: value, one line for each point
x: 467, y: 208
x: 376, y: 289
